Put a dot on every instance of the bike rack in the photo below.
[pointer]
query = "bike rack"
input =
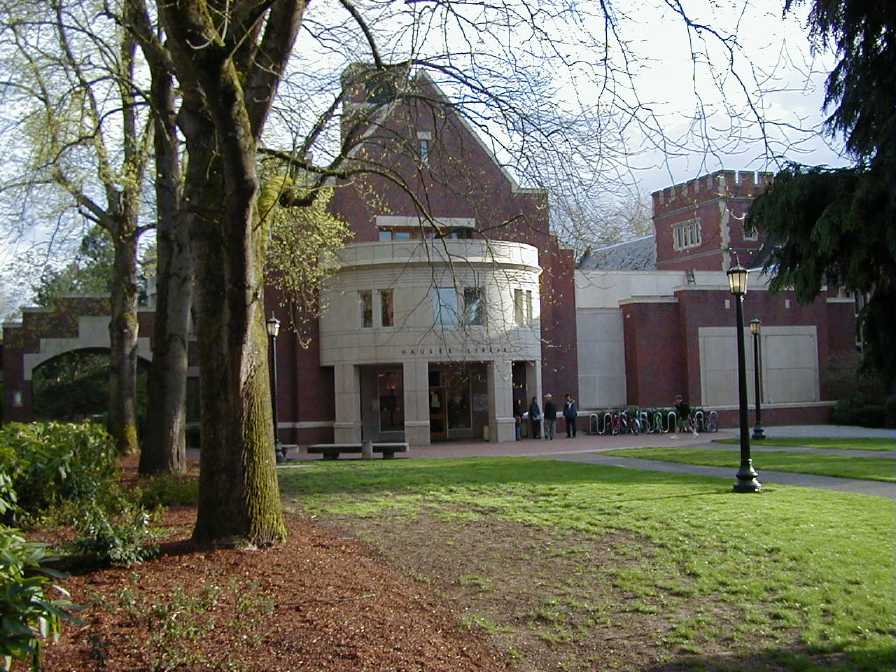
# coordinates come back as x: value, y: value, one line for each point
x: 700, y: 420
x: 672, y: 422
x: 592, y: 424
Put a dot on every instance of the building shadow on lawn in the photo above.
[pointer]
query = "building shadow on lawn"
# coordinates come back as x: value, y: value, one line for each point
x: 768, y: 660
x: 371, y: 477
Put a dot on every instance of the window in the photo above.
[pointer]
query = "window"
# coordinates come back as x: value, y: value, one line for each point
x: 385, y: 234
x: 365, y: 297
x: 528, y: 306
x: 444, y: 307
x: 386, y: 308
x: 401, y: 235
x: 390, y: 391
x: 751, y: 233
x: 424, y: 150
x: 473, y: 306
x: 687, y: 234
x: 519, y: 316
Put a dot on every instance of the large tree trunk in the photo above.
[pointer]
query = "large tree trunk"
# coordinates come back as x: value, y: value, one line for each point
x: 164, y: 448
x: 123, y: 332
x: 237, y: 441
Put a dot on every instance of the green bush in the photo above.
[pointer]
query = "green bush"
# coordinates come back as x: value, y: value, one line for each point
x: 53, y: 462
x: 122, y: 539
x: 167, y: 490
x: 27, y: 616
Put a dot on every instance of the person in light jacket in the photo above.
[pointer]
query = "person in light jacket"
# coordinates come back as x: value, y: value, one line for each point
x: 570, y: 413
x: 535, y: 418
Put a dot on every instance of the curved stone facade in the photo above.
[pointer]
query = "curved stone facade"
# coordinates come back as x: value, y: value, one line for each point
x: 431, y: 326
x: 411, y: 270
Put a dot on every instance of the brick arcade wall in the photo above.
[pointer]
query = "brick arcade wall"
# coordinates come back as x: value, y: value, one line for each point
x: 24, y: 338
x: 662, y: 344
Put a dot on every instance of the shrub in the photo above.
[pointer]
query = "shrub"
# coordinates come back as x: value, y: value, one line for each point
x: 168, y: 490
x: 118, y: 539
x: 27, y: 616
x: 53, y: 462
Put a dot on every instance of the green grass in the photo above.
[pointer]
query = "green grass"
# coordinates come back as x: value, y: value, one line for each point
x: 868, y: 468
x: 811, y: 442
x: 789, y: 573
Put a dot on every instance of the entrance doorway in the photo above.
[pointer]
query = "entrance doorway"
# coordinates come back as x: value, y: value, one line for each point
x: 438, y: 414
x: 458, y: 401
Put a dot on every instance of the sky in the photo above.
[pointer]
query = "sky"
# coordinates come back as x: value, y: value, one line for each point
x: 768, y: 113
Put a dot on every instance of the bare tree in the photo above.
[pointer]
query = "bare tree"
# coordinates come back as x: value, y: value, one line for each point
x: 73, y: 78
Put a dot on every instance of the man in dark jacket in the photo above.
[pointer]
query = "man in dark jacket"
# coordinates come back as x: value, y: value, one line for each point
x: 550, y: 416
x: 535, y: 418
x: 570, y: 413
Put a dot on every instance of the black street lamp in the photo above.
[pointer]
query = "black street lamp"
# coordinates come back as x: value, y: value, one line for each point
x: 755, y: 329
x: 746, y: 475
x: 273, y: 325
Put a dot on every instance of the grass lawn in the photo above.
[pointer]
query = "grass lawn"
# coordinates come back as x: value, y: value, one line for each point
x: 809, y: 442
x: 571, y: 566
x: 869, y: 468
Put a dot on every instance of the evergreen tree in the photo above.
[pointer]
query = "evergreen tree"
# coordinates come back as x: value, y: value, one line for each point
x: 838, y: 226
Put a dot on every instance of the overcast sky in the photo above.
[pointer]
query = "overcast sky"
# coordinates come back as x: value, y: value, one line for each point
x: 778, y: 81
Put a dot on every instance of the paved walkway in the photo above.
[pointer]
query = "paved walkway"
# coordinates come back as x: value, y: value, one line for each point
x: 832, y: 431
x: 770, y: 447
x: 587, y: 448
x: 877, y: 488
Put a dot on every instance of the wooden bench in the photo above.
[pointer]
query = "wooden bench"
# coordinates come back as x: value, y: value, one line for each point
x: 331, y: 451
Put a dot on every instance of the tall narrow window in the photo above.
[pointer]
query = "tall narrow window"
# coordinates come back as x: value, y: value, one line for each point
x: 473, y: 306
x: 386, y: 308
x: 424, y: 150
x: 365, y: 298
x: 444, y: 307
x: 519, y: 315
x: 529, y: 307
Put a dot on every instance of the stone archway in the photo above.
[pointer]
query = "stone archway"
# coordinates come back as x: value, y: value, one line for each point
x: 75, y: 323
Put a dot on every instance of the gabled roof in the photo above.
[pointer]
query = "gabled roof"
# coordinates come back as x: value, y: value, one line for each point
x: 633, y: 255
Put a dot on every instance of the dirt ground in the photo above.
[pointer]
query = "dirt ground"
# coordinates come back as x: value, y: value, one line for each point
x: 321, y: 601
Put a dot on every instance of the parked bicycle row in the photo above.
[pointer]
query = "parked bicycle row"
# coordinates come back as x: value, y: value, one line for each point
x: 651, y: 421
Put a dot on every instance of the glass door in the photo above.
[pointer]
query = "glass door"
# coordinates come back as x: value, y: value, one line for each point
x: 438, y: 417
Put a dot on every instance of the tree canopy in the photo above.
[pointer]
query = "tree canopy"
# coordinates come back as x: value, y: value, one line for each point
x: 837, y: 227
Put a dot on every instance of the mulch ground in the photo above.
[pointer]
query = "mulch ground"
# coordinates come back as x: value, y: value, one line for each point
x: 320, y: 601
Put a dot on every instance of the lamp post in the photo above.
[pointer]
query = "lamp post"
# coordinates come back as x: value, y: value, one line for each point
x: 755, y: 329
x: 746, y: 475
x: 273, y: 325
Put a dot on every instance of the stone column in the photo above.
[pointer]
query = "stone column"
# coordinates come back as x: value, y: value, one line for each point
x: 416, y: 402
x: 533, y: 382
x: 500, y: 402
x: 347, y: 427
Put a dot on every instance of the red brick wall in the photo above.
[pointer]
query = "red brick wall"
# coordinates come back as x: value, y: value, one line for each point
x: 62, y: 322
x: 706, y: 198
x: 653, y: 353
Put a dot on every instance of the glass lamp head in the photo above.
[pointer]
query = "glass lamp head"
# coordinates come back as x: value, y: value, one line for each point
x: 737, y: 280
x: 273, y: 326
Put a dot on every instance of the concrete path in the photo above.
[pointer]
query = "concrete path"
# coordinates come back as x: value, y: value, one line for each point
x: 832, y: 431
x: 877, y: 488
x: 767, y: 447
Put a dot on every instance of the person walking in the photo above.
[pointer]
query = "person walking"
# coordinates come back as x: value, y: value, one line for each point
x: 535, y: 418
x: 518, y: 412
x: 570, y: 413
x: 550, y: 416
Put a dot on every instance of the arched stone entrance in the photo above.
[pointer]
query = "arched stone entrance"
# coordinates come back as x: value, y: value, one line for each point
x: 75, y: 323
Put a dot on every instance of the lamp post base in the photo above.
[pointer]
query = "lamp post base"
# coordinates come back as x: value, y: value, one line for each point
x: 746, y: 479
x: 758, y: 432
